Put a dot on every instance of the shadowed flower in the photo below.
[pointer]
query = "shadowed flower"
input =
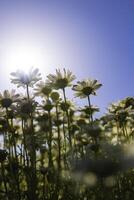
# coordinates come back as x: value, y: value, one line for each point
x: 43, y: 122
x: 115, y: 107
x: 86, y: 87
x: 48, y: 106
x: 42, y: 89
x: 88, y: 110
x: 66, y: 106
x: 129, y: 101
x: 55, y: 96
x: 8, y: 98
x: 23, y: 79
x: 60, y: 80
x: 25, y: 108
x: 106, y: 119
x: 120, y: 111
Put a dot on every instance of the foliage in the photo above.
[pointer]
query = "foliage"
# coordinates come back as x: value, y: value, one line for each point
x: 54, y: 150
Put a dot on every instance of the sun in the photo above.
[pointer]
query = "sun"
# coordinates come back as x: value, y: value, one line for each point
x: 22, y: 57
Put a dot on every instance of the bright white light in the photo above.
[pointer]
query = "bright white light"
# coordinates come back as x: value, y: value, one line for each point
x: 23, y: 54
x: 22, y: 57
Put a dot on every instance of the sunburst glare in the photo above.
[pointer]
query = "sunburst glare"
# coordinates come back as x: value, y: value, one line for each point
x: 22, y: 57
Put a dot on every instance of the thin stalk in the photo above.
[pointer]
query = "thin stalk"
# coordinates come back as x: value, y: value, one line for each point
x: 50, y: 139
x: 68, y: 120
x: 89, y: 103
x: 14, y: 141
x: 8, y: 135
x: 65, y: 145
x: 25, y: 148
x: 59, y: 139
x: 27, y: 90
x: 16, y: 159
x: 33, y: 181
x: 4, y: 180
x: 125, y: 127
x: 118, y: 132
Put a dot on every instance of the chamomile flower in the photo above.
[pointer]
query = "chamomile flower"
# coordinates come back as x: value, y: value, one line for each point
x: 7, y: 98
x: 60, y: 80
x: 22, y: 79
x: 86, y: 87
x: 43, y: 89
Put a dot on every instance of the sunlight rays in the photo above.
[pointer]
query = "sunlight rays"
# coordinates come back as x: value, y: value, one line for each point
x: 22, y: 57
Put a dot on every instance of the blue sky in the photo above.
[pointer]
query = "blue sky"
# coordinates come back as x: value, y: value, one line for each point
x: 93, y: 38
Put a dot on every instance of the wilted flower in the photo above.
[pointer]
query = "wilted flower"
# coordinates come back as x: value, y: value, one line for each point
x: 86, y: 87
x: 60, y: 81
x: 23, y: 79
x: 8, y: 98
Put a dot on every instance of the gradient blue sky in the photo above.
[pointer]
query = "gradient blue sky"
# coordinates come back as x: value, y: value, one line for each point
x: 93, y: 38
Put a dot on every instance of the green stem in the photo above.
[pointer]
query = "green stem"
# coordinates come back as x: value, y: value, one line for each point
x: 25, y: 147
x: 65, y: 145
x: 50, y: 140
x: 59, y: 139
x: 33, y: 181
x: 27, y: 89
x: 68, y: 120
x: 4, y: 181
x: 89, y: 103
x: 14, y: 141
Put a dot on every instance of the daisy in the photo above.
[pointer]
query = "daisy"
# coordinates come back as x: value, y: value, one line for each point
x: 42, y: 89
x: 60, y: 80
x: 7, y: 98
x: 22, y: 79
x: 86, y: 87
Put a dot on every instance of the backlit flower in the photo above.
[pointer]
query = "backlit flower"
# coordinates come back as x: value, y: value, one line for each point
x: 86, y: 87
x: 25, y: 107
x: 42, y: 89
x: 88, y: 110
x: 55, y: 96
x: 60, y: 80
x: 23, y: 79
x: 7, y: 98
